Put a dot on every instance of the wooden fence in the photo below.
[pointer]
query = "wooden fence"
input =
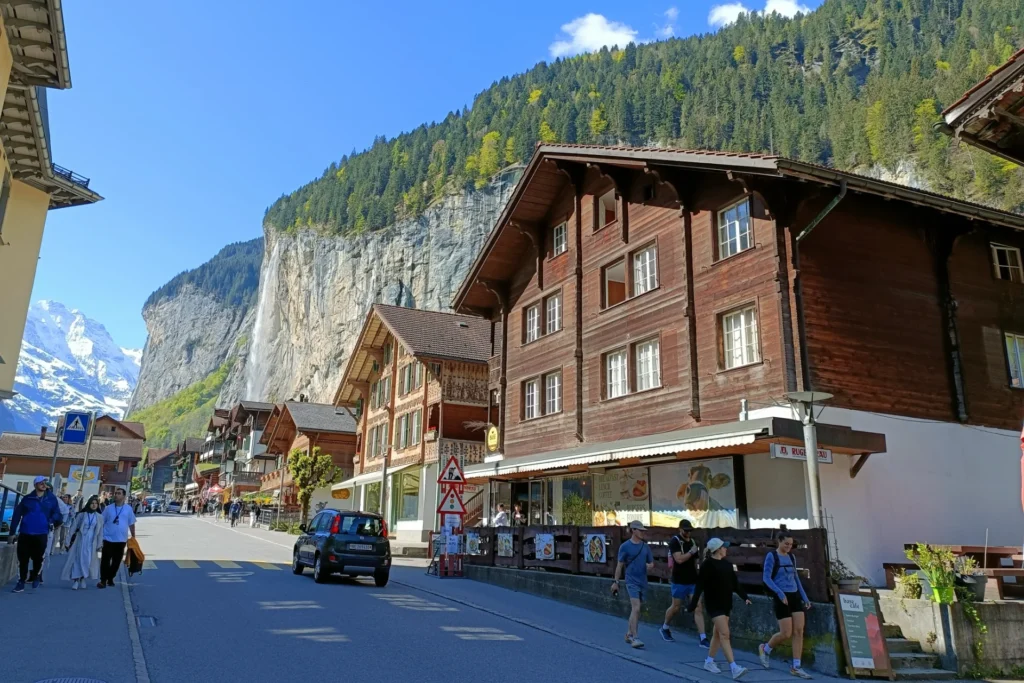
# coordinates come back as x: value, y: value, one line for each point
x: 579, y: 550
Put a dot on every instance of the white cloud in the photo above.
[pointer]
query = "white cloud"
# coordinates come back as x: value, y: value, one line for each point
x: 669, y: 29
x: 590, y: 33
x: 787, y: 8
x: 672, y: 13
x: 721, y: 15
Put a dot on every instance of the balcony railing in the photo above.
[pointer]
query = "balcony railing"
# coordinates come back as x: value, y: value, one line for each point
x: 273, y: 480
x: 245, y: 479
x: 70, y: 176
x: 468, y: 452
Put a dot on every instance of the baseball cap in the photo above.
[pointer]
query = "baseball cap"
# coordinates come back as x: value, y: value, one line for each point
x: 716, y: 543
x: 686, y: 525
x: 39, y: 480
x: 637, y: 525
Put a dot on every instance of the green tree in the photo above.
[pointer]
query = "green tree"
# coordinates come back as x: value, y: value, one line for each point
x: 510, y: 150
x: 598, y: 123
x: 310, y: 471
x: 546, y: 133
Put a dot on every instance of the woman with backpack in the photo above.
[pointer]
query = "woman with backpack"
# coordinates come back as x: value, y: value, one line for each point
x: 717, y: 581
x: 790, y: 603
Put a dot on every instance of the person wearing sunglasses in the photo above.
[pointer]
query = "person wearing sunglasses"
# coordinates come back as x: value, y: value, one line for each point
x: 118, y: 523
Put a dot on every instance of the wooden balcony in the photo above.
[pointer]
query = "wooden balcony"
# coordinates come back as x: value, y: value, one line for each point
x: 468, y: 452
x: 245, y: 479
x: 275, y: 480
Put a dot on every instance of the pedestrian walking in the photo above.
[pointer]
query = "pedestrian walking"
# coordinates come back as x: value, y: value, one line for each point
x: 225, y: 509
x: 501, y: 519
x: 86, y: 541
x: 790, y: 602
x: 254, y: 515
x: 635, y: 560
x: 64, y: 533
x: 717, y: 582
x: 118, y: 523
x: 236, y: 511
x: 683, y: 552
x: 35, y: 514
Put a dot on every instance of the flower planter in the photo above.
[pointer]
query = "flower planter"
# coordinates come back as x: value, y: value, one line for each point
x: 944, y: 595
x: 977, y: 585
x: 850, y: 584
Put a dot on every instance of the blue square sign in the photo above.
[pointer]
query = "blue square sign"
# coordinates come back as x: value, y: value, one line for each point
x: 76, y: 427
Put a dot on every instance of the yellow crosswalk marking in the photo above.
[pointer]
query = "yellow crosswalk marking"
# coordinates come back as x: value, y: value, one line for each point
x: 267, y: 565
x: 149, y: 564
x: 227, y: 564
x: 186, y: 564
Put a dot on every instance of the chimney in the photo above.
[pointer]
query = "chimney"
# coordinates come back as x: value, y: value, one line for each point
x: 42, y: 433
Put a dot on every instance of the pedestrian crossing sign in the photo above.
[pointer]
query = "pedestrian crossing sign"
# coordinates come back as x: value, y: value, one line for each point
x: 76, y: 427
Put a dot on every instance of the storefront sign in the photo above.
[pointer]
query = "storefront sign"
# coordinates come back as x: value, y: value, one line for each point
x: 492, y: 439
x: 622, y: 496
x: 504, y: 545
x: 702, y: 491
x: 544, y: 545
x: 779, y: 450
x: 595, y: 548
x: 91, y: 473
x: 862, y: 630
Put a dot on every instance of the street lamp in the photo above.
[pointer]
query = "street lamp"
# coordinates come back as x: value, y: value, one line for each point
x: 806, y: 401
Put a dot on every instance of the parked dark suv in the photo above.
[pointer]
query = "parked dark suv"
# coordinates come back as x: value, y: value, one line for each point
x: 337, y: 542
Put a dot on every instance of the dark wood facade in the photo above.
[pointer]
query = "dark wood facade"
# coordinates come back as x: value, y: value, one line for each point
x: 890, y: 302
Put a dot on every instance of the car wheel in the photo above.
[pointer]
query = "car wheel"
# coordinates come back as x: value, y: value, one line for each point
x: 319, y: 573
x: 297, y: 567
x: 381, y: 578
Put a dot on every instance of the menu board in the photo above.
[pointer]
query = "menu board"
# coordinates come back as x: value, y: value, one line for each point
x: 472, y: 543
x: 864, y: 639
x: 544, y: 545
x: 702, y: 491
x: 622, y: 496
x: 504, y: 545
x: 595, y: 548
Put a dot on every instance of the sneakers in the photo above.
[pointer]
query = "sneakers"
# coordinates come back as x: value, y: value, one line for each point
x: 101, y: 584
x: 711, y: 667
x: 74, y: 585
x: 705, y: 643
x: 110, y: 582
x: 36, y: 581
x: 763, y: 656
x: 20, y: 588
x: 738, y: 672
x: 799, y: 673
x: 636, y: 644
x: 666, y: 634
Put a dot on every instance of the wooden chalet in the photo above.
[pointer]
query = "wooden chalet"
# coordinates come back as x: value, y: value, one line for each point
x: 651, y: 308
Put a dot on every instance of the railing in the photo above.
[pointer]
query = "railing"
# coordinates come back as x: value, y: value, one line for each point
x: 9, y: 499
x: 575, y: 550
x: 273, y: 480
x: 245, y: 478
x: 70, y: 175
x: 468, y: 452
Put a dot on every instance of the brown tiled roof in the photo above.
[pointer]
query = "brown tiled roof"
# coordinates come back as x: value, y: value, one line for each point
x: 985, y: 81
x: 434, y: 334
x: 136, y: 427
x: 193, y: 445
x: 320, y: 417
x: 155, y: 455
x: 14, y: 444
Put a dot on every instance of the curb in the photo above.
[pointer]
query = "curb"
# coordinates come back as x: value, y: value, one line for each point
x: 544, y: 629
x: 141, y: 672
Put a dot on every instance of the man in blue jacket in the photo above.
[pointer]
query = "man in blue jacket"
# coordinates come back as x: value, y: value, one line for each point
x: 36, y: 512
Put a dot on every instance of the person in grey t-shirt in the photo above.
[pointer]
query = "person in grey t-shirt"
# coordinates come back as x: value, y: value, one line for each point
x: 635, y: 559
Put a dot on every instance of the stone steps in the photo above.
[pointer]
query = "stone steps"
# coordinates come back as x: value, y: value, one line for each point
x: 913, y: 660
x: 902, y: 645
x: 892, y: 631
x: 924, y: 674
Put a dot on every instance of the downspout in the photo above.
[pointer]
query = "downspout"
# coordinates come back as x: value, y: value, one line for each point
x: 801, y: 323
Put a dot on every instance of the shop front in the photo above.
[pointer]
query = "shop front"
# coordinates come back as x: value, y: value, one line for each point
x: 410, y: 501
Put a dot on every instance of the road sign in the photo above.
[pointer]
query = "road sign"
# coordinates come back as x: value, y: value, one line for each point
x: 452, y: 474
x: 452, y: 504
x: 76, y: 427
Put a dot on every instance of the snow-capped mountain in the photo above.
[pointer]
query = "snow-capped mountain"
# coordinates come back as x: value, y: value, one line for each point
x: 67, y: 361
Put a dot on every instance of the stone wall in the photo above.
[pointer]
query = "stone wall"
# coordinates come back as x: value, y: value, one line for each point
x: 750, y: 624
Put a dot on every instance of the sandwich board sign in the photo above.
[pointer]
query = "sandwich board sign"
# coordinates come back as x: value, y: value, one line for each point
x: 76, y: 427
x: 861, y: 626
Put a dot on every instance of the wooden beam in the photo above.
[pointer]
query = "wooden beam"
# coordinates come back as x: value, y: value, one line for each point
x: 18, y: 22
x: 532, y: 232
x: 22, y: 41
x: 857, y: 466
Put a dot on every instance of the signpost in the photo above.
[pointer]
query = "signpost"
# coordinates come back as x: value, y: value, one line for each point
x: 76, y: 427
x: 448, y: 556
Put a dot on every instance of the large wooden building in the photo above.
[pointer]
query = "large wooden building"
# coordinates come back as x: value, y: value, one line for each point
x: 641, y: 300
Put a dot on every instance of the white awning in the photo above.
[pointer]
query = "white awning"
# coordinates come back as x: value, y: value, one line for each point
x: 368, y: 478
x: 191, y: 487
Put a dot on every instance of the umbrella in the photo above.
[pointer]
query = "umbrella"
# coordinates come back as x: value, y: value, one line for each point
x: 215, y: 489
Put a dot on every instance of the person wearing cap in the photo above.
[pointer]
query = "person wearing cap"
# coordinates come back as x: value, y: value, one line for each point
x: 717, y: 581
x: 35, y: 513
x: 635, y: 560
x: 682, y: 552
x: 790, y: 602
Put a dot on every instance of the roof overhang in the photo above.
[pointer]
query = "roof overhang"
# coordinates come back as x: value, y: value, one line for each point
x: 360, y: 363
x: 743, y: 437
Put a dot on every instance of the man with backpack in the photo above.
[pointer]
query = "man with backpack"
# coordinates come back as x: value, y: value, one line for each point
x: 790, y: 603
x: 635, y: 560
x: 682, y: 561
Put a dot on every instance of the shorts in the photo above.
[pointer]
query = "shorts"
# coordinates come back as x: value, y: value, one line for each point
x: 714, y: 613
x: 784, y: 611
x: 683, y: 591
x: 635, y: 592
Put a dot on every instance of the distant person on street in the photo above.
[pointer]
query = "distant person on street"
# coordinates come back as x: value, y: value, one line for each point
x: 118, y: 523
x: 254, y: 515
x: 86, y: 540
x: 518, y: 518
x: 635, y: 560
x: 225, y: 510
x: 501, y: 519
x: 235, y: 511
x: 35, y: 513
x: 64, y: 534
x: 683, y: 552
x: 717, y: 581
x: 790, y: 602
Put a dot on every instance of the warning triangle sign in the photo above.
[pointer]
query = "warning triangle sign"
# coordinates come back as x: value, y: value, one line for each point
x: 76, y: 425
x: 452, y: 504
x: 452, y: 473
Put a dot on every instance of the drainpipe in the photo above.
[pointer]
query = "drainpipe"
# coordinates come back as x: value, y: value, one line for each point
x: 802, y: 235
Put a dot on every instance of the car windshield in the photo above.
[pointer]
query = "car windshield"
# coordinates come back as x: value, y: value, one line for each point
x: 360, y: 525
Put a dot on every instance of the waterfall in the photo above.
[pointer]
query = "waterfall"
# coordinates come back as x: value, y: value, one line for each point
x: 264, y: 330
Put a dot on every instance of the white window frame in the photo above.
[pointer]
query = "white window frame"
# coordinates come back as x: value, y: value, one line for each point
x: 645, y: 270
x: 553, y: 313
x: 1015, y: 358
x: 1014, y: 271
x: 743, y: 234
x: 648, y: 364
x: 616, y: 368
x: 553, y: 393
x: 416, y: 428
x: 740, y: 344
x: 530, y: 396
x: 560, y: 239
x: 609, y: 195
x: 532, y: 315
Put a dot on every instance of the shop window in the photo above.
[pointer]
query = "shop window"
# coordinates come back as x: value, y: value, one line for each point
x: 616, y: 374
x: 648, y: 365
x: 1015, y: 358
x: 532, y: 323
x: 614, y: 285
x: 645, y: 270
x: 560, y: 239
x: 407, y: 501
x: 371, y: 502
x: 734, y: 231
x: 739, y: 338
x: 553, y: 313
x: 1006, y: 263
x: 607, y: 209
x: 530, y: 400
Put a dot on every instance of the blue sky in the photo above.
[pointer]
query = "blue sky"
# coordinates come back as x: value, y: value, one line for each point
x: 192, y: 117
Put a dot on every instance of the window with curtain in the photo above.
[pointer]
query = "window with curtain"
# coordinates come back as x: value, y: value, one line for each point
x: 645, y: 270
x: 552, y: 393
x: 553, y: 313
x: 734, y: 232
x: 616, y: 374
x: 739, y: 338
x: 530, y: 399
x: 648, y: 365
x: 1015, y: 357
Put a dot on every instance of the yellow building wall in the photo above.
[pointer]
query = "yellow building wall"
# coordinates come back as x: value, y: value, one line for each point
x: 22, y: 236
x: 6, y: 61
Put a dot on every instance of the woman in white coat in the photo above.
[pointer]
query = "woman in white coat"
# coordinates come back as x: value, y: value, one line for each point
x: 83, y: 561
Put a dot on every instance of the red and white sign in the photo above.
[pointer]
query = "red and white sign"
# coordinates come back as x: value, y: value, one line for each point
x: 451, y: 473
x: 452, y: 504
x: 799, y: 453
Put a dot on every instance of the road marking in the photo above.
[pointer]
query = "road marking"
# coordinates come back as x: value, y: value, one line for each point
x: 149, y: 564
x: 186, y: 564
x: 227, y: 564
x: 328, y: 634
x: 412, y: 602
x: 267, y: 565
x: 290, y: 604
x: 229, y: 577
x: 138, y: 656
x: 479, y: 633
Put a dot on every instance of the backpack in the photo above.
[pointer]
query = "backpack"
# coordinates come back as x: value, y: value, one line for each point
x: 775, y: 569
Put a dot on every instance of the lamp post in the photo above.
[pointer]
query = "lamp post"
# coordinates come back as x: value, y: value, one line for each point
x: 806, y: 401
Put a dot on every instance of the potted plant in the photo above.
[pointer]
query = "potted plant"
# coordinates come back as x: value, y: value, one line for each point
x: 939, y: 567
x: 908, y: 586
x: 971, y: 575
x: 843, y: 577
